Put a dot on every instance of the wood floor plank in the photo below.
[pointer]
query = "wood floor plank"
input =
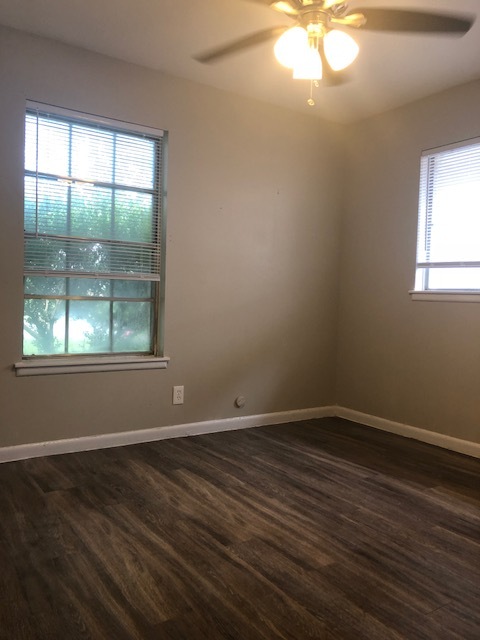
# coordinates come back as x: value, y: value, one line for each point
x: 321, y: 529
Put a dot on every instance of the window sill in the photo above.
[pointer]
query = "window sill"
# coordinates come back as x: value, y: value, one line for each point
x: 55, y: 366
x: 446, y: 296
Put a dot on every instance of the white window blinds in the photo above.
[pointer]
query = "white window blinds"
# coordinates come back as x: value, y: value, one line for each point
x: 93, y: 198
x: 448, y: 249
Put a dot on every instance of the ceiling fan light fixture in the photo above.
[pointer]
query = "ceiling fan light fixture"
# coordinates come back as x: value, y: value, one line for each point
x: 291, y: 47
x: 309, y: 66
x: 340, y: 49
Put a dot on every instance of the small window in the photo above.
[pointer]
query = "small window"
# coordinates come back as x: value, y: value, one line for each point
x: 94, y: 267
x: 448, y: 250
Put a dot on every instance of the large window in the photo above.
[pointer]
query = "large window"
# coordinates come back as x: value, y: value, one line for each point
x: 448, y: 251
x: 93, y: 276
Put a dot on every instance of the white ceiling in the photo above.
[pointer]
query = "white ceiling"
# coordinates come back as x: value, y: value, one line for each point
x: 392, y: 69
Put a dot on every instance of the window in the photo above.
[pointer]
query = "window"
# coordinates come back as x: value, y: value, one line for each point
x: 448, y: 250
x: 94, y: 259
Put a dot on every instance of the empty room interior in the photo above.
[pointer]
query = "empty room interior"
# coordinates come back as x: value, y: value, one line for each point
x: 239, y: 338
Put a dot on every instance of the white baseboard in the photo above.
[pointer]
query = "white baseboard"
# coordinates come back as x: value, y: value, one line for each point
x: 405, y: 430
x: 108, y: 440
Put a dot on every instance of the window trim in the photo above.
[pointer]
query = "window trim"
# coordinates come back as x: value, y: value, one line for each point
x: 84, y: 364
x: 438, y: 295
x: 445, y: 296
x: 90, y: 118
x: 77, y: 363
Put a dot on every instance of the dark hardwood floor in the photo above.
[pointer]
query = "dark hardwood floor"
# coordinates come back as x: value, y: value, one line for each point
x: 321, y: 529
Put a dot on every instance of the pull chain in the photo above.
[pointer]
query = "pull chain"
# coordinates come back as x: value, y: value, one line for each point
x: 311, y: 101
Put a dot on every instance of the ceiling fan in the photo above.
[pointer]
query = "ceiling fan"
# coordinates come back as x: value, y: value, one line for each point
x: 317, y: 46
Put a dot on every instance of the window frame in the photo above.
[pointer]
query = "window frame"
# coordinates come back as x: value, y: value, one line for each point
x: 48, y: 364
x: 421, y: 291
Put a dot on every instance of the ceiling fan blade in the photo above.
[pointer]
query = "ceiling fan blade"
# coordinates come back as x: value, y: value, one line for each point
x: 242, y: 43
x: 290, y: 7
x: 331, y: 3
x: 285, y: 6
x: 414, y: 21
x: 352, y: 20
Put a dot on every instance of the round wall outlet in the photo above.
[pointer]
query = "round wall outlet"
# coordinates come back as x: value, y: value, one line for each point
x: 239, y: 402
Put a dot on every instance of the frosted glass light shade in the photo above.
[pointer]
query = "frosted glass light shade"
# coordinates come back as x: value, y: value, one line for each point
x: 309, y: 66
x: 291, y: 46
x: 340, y: 49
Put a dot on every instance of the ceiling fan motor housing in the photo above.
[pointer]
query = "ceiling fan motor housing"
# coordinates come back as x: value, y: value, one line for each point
x: 314, y: 16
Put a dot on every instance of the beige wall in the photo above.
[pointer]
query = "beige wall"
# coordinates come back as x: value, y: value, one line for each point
x: 411, y: 362
x: 253, y: 265
x: 252, y: 251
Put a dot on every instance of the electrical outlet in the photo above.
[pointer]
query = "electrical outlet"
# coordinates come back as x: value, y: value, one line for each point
x: 177, y: 395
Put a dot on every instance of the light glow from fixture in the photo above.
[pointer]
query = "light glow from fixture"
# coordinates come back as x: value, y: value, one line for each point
x: 291, y: 47
x: 340, y: 49
x: 298, y: 49
x: 309, y: 66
